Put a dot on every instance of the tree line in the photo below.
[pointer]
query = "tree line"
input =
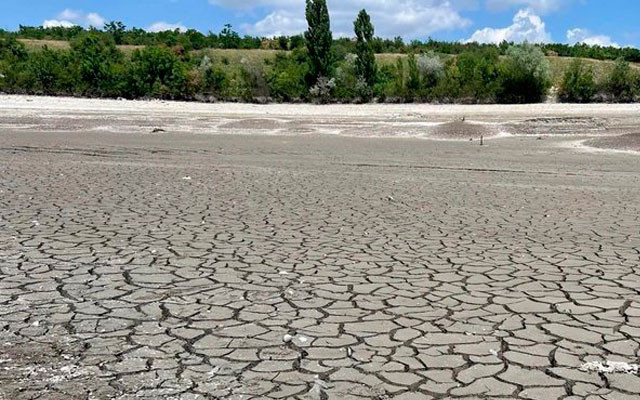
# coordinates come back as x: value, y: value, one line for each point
x: 317, y: 68
x: 228, y: 38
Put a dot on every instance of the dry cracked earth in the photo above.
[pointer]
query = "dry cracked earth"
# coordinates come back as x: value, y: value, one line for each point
x: 228, y: 266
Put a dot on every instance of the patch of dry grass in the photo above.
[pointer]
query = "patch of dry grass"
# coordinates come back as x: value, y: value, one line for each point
x: 34, y: 44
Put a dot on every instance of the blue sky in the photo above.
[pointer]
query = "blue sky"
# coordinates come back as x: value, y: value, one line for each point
x: 591, y: 21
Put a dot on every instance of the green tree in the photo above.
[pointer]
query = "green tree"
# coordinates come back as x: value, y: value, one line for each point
x: 157, y: 71
x: 366, y: 62
x: 319, y: 38
x: 478, y: 72
x: 525, y: 75
x: 117, y: 30
x: 578, y: 84
x: 194, y: 40
x: 48, y: 71
x: 95, y: 56
x: 229, y: 39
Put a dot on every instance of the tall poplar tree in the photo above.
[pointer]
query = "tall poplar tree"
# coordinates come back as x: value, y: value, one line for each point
x: 366, y: 62
x: 319, y: 38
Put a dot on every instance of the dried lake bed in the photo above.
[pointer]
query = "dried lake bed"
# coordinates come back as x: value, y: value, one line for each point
x: 162, y: 250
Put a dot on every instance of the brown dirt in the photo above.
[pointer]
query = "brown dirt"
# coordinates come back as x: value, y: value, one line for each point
x: 464, y: 130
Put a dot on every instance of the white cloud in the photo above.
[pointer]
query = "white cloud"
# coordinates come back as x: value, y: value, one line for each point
x: 52, y: 23
x: 527, y: 26
x: 95, y: 19
x: 409, y: 18
x: 278, y: 23
x: 68, y: 18
x: 71, y: 15
x: 162, y: 26
x: 539, y: 6
x: 579, y: 35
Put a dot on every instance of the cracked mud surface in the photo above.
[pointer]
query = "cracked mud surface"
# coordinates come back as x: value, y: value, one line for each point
x: 182, y: 266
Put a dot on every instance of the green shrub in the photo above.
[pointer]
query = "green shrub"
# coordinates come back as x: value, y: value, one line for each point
x: 50, y: 72
x: 95, y: 56
x: 322, y: 91
x: 215, y: 80
x: 156, y: 70
x: 346, y: 78
x: 286, y: 79
x: 478, y: 75
x: 13, y: 58
x: 386, y: 83
x: 448, y: 88
x: 399, y: 83
x: 622, y: 83
x: 413, y: 77
x: 525, y: 75
x: 246, y: 83
x: 11, y: 48
x: 578, y: 84
x: 431, y: 69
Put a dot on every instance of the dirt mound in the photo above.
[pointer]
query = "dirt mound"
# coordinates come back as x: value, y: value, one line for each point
x: 463, y: 130
x: 629, y: 142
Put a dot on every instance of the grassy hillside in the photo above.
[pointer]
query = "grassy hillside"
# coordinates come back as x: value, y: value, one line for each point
x: 558, y: 64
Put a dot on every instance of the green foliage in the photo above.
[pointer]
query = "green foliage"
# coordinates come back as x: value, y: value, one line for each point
x: 11, y: 48
x: 215, y: 80
x: 413, y: 78
x: 366, y: 62
x: 449, y: 88
x: 117, y: 31
x: 193, y: 39
x: 49, y: 71
x: 385, y: 83
x: 229, y: 39
x: 346, y: 77
x: 96, y: 57
x: 156, y: 71
x: 430, y: 68
x: 578, y: 84
x: 319, y: 38
x: 525, y: 75
x: 622, y: 83
x: 478, y: 75
x: 399, y: 81
x: 286, y: 79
